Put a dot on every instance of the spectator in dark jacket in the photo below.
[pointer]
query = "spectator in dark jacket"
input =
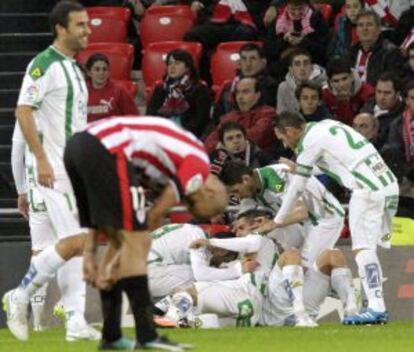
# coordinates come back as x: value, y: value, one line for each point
x: 345, y: 94
x: 387, y: 105
x: 368, y: 125
x: 255, y: 117
x: 181, y: 96
x: 309, y: 95
x: 345, y: 29
x: 373, y: 54
x: 400, y: 141
x: 252, y: 64
x: 297, y: 26
x: 408, y: 71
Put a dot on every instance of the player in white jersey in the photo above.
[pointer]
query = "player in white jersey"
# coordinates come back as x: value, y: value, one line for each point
x: 320, y: 211
x: 51, y: 107
x: 344, y: 154
x: 172, y: 264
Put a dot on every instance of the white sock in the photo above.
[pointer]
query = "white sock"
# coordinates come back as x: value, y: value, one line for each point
x: 370, y: 273
x: 41, y: 270
x: 341, y: 282
x: 72, y: 288
x: 37, y: 302
x: 183, y: 302
x: 293, y: 283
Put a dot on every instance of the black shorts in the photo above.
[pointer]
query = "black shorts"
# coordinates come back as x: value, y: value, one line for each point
x: 107, y: 192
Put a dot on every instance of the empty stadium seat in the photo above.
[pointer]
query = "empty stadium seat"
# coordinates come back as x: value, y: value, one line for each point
x: 129, y: 86
x: 109, y: 24
x: 153, y: 61
x: 120, y: 55
x: 224, y: 63
x: 165, y: 23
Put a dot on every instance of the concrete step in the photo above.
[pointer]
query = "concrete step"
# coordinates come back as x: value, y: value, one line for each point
x: 11, y: 80
x: 24, y: 22
x: 16, y: 61
x: 7, y: 116
x: 5, y: 153
x: 26, y: 6
x: 25, y: 41
x: 8, y: 97
x: 6, y: 133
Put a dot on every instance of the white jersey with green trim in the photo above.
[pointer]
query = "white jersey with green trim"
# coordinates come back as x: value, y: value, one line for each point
x: 55, y: 87
x: 275, y: 180
x: 339, y: 151
x: 171, y: 243
x: 36, y: 201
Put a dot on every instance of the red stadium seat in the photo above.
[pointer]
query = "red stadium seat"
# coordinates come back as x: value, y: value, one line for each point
x: 163, y: 23
x: 224, y: 62
x: 326, y: 11
x: 129, y: 86
x: 153, y: 60
x: 109, y: 24
x: 120, y: 55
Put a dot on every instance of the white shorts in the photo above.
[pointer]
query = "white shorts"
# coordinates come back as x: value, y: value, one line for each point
x: 319, y: 238
x: 370, y: 216
x: 164, y: 279
x: 237, y: 299
x: 41, y: 231
x: 61, y: 208
x: 288, y: 237
x: 278, y: 308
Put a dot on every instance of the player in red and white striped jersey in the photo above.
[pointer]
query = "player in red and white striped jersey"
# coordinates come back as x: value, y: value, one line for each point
x: 102, y: 164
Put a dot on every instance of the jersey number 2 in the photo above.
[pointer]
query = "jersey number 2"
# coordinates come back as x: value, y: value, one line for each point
x: 354, y: 145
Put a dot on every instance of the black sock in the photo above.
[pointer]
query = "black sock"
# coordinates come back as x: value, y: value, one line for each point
x: 136, y: 288
x: 111, y: 309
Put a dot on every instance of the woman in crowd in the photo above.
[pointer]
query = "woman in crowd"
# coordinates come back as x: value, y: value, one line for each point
x: 181, y: 96
x: 106, y: 98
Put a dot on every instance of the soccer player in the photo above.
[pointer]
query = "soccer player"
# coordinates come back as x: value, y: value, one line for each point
x: 172, y: 264
x: 318, y: 208
x: 352, y: 161
x: 51, y: 107
x: 103, y: 163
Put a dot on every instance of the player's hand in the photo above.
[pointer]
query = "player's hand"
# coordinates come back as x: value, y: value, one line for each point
x: 289, y: 163
x: 199, y: 243
x: 270, y: 15
x: 249, y: 265
x: 45, y: 174
x: 268, y: 227
x: 90, y: 269
x: 23, y: 205
x: 109, y: 273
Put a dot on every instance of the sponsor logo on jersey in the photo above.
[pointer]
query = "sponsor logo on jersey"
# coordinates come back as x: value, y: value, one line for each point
x: 372, y: 273
x: 36, y: 72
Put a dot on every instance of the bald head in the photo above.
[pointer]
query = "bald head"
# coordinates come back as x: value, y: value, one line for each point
x: 366, y: 124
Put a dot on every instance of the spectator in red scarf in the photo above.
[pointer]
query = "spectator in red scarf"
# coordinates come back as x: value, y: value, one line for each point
x: 181, y: 96
x: 298, y: 25
x: 106, y: 98
x: 345, y: 94
x: 255, y: 117
x: 400, y: 141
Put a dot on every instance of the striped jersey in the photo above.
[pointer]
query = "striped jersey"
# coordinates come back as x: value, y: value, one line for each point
x: 54, y: 86
x: 163, y: 150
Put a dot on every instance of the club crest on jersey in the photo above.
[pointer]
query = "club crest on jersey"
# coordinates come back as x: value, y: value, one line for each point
x: 193, y: 184
x: 33, y: 92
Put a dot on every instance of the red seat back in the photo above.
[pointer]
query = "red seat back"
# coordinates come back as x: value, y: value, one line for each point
x: 120, y: 56
x: 109, y: 24
x: 153, y: 61
x: 326, y: 11
x: 225, y: 62
x: 160, y: 24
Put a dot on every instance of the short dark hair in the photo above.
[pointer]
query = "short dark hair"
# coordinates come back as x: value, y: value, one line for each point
x: 233, y: 172
x: 409, y: 86
x: 251, y: 214
x: 60, y: 14
x: 298, y: 52
x: 369, y: 13
x: 252, y: 47
x: 310, y: 85
x: 257, y: 83
x: 185, y: 57
x: 230, y: 126
x: 338, y: 65
x: 392, y: 77
x: 95, y: 58
x: 297, y: 2
x: 288, y: 119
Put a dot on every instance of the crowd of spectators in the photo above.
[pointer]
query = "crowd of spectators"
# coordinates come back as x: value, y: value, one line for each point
x: 355, y: 65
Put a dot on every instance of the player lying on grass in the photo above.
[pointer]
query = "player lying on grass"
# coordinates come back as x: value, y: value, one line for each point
x: 319, y: 211
x: 289, y: 296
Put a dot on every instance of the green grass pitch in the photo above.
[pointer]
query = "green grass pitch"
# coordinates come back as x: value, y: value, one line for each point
x: 394, y: 337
